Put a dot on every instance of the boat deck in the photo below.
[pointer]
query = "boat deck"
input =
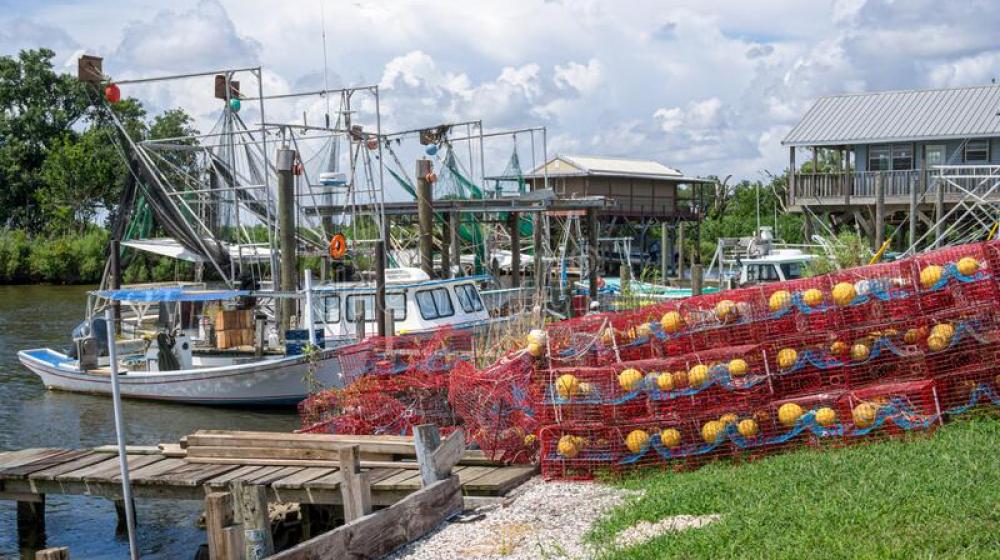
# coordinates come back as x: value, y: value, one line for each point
x: 28, y: 475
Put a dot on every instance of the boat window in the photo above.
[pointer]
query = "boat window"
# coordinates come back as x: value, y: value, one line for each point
x: 792, y: 270
x: 435, y: 303
x: 396, y: 302
x: 468, y: 298
x: 352, y: 301
x: 331, y: 311
x: 762, y: 273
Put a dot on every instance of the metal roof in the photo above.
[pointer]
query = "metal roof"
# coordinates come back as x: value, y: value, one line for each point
x: 899, y: 116
x: 608, y: 167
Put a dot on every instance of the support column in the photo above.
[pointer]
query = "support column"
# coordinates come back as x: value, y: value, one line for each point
x: 696, y: 279
x: 592, y: 252
x: 879, y: 211
x: 915, y: 192
x: 380, y: 288
x: 456, y: 249
x: 680, y: 251
x: 446, y: 249
x: 791, y: 175
x: 666, y: 252
x: 514, y: 225
x: 807, y: 228
x: 425, y: 213
x: 537, y: 240
x: 286, y: 240
x: 31, y: 526
x: 938, y: 212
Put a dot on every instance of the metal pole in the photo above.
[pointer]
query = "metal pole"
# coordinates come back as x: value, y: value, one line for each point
x: 514, y: 223
x: 116, y: 400
x: 310, y: 322
x: 116, y: 279
x: 592, y: 251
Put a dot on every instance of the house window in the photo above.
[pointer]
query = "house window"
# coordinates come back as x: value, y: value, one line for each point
x: 977, y: 151
x: 902, y: 157
x: 879, y: 158
x: 435, y: 303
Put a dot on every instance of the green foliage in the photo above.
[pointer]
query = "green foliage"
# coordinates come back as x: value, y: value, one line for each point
x: 849, y: 250
x: 916, y: 497
x: 64, y: 259
x: 733, y: 213
x: 15, y: 255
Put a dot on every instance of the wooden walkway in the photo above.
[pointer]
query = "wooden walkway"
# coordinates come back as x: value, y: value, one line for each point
x: 28, y: 475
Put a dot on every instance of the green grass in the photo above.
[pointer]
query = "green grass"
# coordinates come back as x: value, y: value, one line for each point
x: 919, y: 497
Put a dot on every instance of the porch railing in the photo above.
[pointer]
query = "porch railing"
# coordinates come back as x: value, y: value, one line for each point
x: 956, y: 181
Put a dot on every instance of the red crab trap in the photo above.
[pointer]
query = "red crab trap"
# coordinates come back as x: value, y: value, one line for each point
x: 955, y: 277
x: 572, y: 451
x: 722, y: 318
x: 969, y: 388
x: 803, y: 362
x: 875, y: 353
x: 818, y: 418
x: 499, y: 408
x: 606, y: 394
x: 579, y: 341
x: 881, y: 292
x: 894, y: 408
x: 722, y: 377
x: 796, y: 306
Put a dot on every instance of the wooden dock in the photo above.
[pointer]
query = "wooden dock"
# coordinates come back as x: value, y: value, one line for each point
x: 175, y: 473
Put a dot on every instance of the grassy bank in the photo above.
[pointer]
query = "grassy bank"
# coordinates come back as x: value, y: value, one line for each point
x: 925, y: 497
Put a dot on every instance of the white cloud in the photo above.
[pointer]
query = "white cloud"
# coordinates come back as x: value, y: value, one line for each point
x: 584, y: 78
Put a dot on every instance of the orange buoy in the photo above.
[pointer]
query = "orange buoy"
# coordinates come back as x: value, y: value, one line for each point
x: 338, y: 246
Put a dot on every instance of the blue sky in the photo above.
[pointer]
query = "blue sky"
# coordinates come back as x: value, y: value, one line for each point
x: 709, y: 87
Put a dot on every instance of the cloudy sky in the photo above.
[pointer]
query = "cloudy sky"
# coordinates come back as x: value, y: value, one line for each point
x: 709, y: 87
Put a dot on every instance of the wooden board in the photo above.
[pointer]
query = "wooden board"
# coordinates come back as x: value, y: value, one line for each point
x: 299, y: 479
x: 110, y: 471
x: 79, y: 474
x: 300, y: 463
x: 84, y: 461
x: 501, y: 480
x: 25, y: 456
x: 143, y: 474
x: 189, y: 474
x: 240, y: 473
x: 51, y: 460
x: 378, y: 534
x: 329, y: 482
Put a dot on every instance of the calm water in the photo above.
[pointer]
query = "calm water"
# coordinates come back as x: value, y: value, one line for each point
x: 30, y: 416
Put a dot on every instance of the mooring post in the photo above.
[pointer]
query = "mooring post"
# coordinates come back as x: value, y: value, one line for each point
x: 356, y: 487
x: 456, y: 249
x: 121, y: 527
x: 31, y: 526
x: 425, y: 215
x: 696, y: 279
x: 592, y: 251
x: 514, y: 224
x: 359, y: 319
x: 380, y: 308
x: 225, y: 537
x: 286, y: 225
x: 115, y: 280
x: 58, y: 553
x: 538, y: 255
x: 250, y: 511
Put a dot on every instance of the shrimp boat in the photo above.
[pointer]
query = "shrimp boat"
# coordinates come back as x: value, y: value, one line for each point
x: 179, y: 354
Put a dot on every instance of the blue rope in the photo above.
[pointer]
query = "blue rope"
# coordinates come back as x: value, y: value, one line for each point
x: 981, y: 392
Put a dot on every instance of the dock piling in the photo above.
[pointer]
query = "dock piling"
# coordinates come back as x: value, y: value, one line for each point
x: 250, y: 511
x: 31, y: 525
x: 356, y: 487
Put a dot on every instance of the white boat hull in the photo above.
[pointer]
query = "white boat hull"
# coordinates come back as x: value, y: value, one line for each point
x: 270, y: 382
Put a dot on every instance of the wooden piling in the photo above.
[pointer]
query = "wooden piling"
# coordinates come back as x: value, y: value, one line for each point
x: 379, y: 311
x: 434, y: 456
x: 680, y: 250
x: 938, y: 212
x: 425, y: 215
x: 696, y: 279
x: 356, y: 486
x: 218, y: 516
x: 250, y: 511
x: 31, y: 524
x: 513, y: 224
x: 592, y: 251
x: 539, y: 253
x: 58, y: 553
x: 666, y: 252
x: 879, y: 211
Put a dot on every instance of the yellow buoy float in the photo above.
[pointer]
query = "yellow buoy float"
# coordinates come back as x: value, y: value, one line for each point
x: 737, y: 367
x: 787, y: 358
x: 630, y: 379
x: 567, y: 386
x: 670, y: 438
x: 844, y: 293
x: 826, y: 416
x: 711, y: 430
x: 789, y: 414
x: 728, y: 418
x: 665, y: 381
x: 779, y: 301
x: 568, y: 447
x: 864, y: 415
x: 860, y: 352
x: 930, y: 275
x: 747, y: 427
x: 637, y: 440
x: 698, y: 375
x: 967, y: 266
x: 812, y: 297
x: 725, y: 310
x: 671, y: 322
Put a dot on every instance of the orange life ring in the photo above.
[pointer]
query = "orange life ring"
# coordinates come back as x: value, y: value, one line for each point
x: 338, y: 246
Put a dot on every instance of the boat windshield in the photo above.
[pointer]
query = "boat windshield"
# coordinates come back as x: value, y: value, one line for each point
x: 791, y: 270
